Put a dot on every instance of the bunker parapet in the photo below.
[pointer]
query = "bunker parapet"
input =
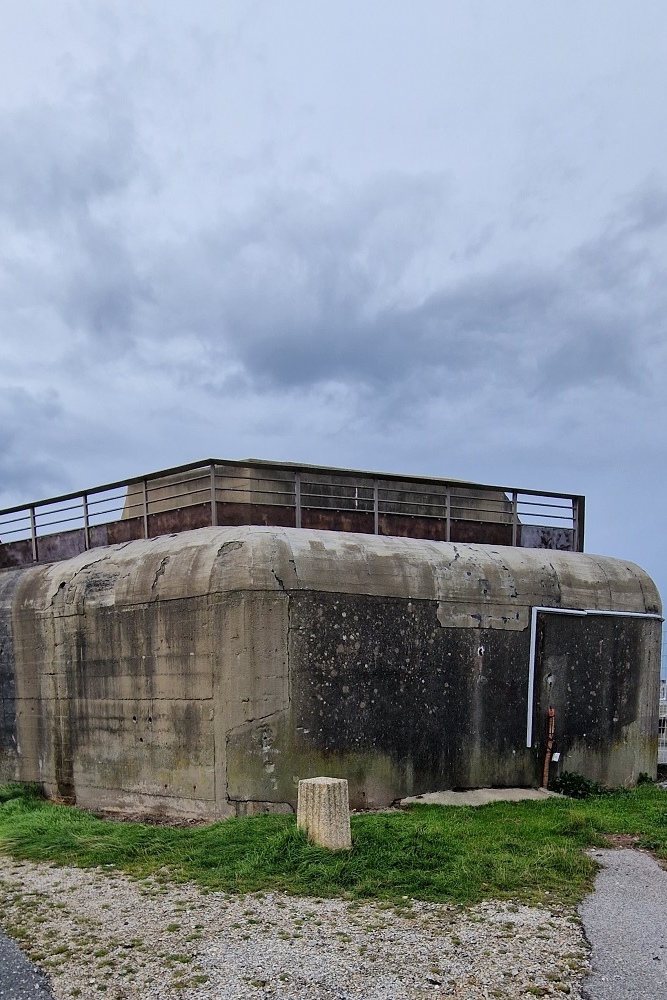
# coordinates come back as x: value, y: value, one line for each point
x: 206, y: 673
x: 224, y: 492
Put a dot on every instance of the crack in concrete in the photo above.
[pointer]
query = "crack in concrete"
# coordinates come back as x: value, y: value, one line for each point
x: 228, y: 547
x: 160, y: 571
x: 263, y: 802
x: 67, y: 583
x: 248, y: 722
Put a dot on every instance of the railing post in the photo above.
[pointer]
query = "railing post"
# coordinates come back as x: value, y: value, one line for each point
x: 214, y: 499
x: 376, y: 507
x: 578, y: 504
x: 515, y: 518
x: 448, y: 514
x: 86, y: 525
x: 144, y: 496
x: 33, y: 534
x: 297, y: 499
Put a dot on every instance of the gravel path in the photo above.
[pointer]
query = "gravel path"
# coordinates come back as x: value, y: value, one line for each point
x: 103, y: 934
x: 626, y: 923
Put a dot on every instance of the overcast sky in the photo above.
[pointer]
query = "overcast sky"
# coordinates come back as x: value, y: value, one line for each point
x: 425, y: 237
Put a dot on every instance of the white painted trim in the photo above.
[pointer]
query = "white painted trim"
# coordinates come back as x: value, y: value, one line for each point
x: 534, y: 612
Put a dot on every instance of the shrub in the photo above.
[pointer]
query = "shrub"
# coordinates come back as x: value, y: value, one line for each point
x: 575, y: 786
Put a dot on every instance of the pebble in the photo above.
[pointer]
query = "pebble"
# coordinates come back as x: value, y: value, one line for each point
x: 103, y: 934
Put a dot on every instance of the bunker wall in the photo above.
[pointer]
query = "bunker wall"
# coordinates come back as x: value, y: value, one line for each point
x: 205, y: 674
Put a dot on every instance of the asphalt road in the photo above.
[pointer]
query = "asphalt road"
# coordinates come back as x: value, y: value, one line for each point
x: 625, y: 920
x: 19, y: 980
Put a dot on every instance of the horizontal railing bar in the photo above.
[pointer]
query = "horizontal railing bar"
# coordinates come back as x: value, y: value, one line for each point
x: 139, y: 506
x: 333, y: 494
x: 337, y: 481
x: 552, y: 517
x: 16, y: 531
x: 18, y: 520
x: 340, y: 510
x: 107, y: 510
x: 237, y: 477
x: 427, y: 488
x: 542, y: 503
x: 293, y: 486
x: 336, y: 496
x: 59, y: 510
x: 162, y: 484
x: 435, y: 499
x: 381, y: 477
x: 206, y: 491
x: 313, y: 506
x: 120, y: 499
x: 269, y: 503
x: 62, y: 520
x: 458, y: 507
x: 246, y: 491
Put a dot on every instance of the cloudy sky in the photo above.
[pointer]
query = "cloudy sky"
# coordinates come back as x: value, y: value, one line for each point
x: 425, y: 237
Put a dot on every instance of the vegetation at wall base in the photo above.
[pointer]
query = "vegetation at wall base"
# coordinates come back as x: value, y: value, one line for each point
x: 528, y: 851
x: 576, y: 786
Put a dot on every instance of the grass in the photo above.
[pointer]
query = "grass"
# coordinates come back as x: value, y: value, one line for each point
x: 527, y: 851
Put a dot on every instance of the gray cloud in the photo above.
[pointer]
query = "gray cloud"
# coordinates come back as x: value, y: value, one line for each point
x: 63, y: 171
x: 58, y: 160
x: 25, y: 472
x: 294, y: 237
x: 296, y: 300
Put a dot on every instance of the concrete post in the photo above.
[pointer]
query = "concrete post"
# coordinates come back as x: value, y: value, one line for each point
x: 323, y: 811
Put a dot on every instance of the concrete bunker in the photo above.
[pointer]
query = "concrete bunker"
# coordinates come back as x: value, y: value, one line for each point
x: 205, y: 673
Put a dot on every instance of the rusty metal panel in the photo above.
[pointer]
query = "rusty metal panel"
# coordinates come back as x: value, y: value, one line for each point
x: 61, y: 545
x: 122, y: 531
x: 337, y: 520
x: 15, y: 554
x: 269, y: 515
x: 182, y: 519
x: 537, y: 536
x: 481, y: 532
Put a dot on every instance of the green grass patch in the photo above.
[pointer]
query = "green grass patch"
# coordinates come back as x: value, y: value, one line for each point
x: 528, y: 851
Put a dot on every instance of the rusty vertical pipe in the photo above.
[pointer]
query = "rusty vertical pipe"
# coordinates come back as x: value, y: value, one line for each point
x: 550, y: 745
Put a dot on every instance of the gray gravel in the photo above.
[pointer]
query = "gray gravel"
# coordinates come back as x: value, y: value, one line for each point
x: 19, y: 979
x: 106, y: 935
x: 626, y: 923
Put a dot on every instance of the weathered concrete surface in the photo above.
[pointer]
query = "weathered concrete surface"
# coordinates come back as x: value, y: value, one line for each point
x: 323, y: 811
x: 207, y: 672
x: 479, y: 797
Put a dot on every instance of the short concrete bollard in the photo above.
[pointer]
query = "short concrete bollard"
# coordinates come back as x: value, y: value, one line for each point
x: 323, y: 811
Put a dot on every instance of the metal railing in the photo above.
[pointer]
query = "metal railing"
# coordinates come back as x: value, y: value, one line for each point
x: 219, y: 491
